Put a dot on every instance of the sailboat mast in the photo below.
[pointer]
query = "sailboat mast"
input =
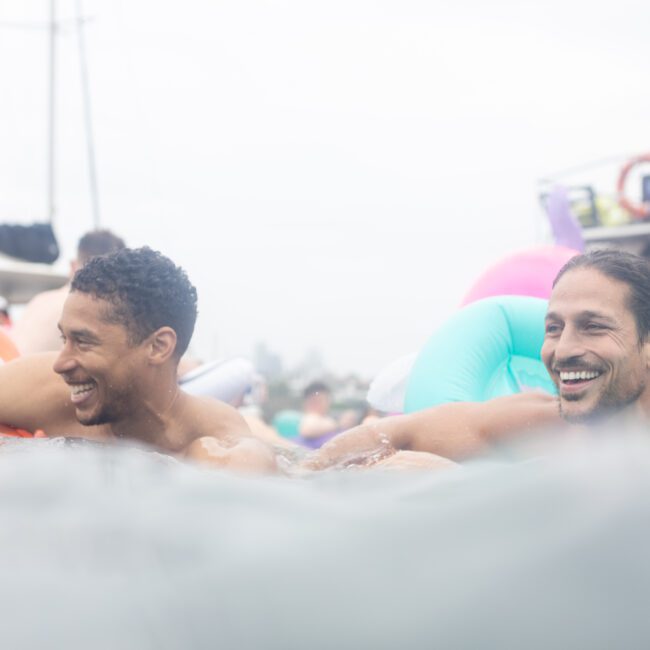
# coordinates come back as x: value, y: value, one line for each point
x: 51, y: 114
x: 90, y: 145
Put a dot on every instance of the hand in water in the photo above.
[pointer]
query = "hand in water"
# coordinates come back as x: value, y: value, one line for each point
x: 248, y: 455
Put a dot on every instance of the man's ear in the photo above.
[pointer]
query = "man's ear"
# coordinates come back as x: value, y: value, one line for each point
x: 161, y: 345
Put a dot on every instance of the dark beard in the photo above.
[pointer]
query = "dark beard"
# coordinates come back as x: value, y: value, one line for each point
x: 609, y: 405
x: 103, y: 417
x: 111, y: 412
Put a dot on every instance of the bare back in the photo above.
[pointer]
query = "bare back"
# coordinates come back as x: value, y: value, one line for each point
x: 36, y: 331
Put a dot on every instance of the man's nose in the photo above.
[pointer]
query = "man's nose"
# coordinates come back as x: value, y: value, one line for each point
x: 569, y: 345
x: 64, y: 362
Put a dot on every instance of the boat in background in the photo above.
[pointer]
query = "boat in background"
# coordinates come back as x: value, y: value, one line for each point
x: 604, y: 213
x: 20, y: 281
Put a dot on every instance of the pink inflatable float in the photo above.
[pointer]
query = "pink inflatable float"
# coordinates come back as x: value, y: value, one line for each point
x: 527, y: 273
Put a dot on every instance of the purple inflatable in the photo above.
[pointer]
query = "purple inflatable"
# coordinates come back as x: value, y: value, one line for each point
x: 565, y: 227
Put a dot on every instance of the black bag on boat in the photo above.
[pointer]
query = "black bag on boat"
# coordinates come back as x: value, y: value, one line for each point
x: 34, y: 243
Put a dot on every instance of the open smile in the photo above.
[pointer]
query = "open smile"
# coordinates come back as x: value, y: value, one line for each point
x: 574, y: 381
x: 82, y: 392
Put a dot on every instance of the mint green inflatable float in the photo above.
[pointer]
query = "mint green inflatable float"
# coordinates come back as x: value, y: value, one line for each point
x: 287, y: 423
x: 488, y: 349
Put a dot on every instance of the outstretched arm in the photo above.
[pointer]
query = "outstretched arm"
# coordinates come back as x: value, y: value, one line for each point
x: 33, y: 396
x: 456, y: 430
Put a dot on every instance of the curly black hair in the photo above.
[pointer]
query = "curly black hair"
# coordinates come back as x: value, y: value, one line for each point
x: 146, y: 290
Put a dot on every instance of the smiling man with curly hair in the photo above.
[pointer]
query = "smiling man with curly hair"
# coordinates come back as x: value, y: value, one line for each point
x: 126, y: 322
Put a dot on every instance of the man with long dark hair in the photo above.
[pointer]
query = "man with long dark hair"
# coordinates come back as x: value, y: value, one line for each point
x: 596, y: 350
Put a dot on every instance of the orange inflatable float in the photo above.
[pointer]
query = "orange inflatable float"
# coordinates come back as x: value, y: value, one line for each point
x: 8, y: 351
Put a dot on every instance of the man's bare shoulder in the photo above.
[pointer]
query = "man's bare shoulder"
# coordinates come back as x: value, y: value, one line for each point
x: 221, y: 438
x: 209, y: 417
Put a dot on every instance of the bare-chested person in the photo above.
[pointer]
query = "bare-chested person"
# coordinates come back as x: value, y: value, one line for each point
x: 121, y: 349
x: 36, y: 330
x: 125, y: 324
x: 596, y: 349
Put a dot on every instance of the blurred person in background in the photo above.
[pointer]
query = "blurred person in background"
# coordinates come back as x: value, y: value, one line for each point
x: 250, y: 408
x: 316, y: 421
x: 316, y: 425
x: 36, y: 329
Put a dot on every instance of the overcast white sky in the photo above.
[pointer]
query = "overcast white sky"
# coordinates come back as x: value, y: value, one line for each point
x: 331, y: 174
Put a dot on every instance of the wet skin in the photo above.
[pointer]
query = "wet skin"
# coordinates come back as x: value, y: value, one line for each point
x: 592, y: 349
x: 98, y: 362
x: 119, y: 388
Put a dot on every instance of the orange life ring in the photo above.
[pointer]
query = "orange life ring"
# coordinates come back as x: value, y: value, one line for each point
x: 8, y: 350
x: 637, y: 210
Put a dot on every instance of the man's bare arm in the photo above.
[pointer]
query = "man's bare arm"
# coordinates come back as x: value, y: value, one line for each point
x: 460, y: 430
x: 33, y: 396
x: 456, y: 430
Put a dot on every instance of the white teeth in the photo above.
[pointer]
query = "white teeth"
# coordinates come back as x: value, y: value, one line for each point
x: 583, y: 374
x: 77, y: 389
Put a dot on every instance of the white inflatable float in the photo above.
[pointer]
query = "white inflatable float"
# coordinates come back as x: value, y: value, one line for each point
x: 387, y: 390
x: 227, y: 380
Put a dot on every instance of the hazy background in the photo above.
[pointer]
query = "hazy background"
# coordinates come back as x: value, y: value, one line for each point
x: 332, y: 175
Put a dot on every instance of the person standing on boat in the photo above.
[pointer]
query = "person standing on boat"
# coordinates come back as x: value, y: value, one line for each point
x: 36, y: 330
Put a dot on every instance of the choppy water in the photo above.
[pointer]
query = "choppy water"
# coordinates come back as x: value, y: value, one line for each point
x: 120, y: 548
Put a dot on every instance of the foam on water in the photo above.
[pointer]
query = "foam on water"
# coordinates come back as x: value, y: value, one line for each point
x: 121, y: 548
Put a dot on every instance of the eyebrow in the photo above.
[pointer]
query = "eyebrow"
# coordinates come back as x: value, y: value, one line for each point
x: 551, y: 315
x: 80, y: 333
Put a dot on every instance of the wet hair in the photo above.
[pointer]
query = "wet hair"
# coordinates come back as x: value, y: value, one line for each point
x: 630, y: 269
x: 146, y: 291
x: 314, y: 388
x: 98, y: 242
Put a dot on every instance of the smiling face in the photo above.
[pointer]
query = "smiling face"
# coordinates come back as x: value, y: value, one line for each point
x: 98, y: 361
x: 591, y: 346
